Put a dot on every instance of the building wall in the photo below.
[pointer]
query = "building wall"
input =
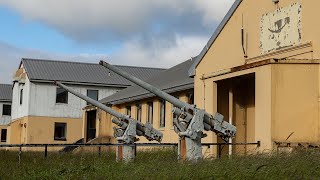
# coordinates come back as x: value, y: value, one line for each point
x: 295, y: 103
x: 38, y: 130
x: 286, y: 95
x: 4, y: 119
x: 43, y: 100
x: 20, y: 110
x: 249, y: 15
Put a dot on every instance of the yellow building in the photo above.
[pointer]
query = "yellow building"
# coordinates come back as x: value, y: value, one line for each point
x: 268, y: 87
x: 43, y: 113
x: 260, y: 69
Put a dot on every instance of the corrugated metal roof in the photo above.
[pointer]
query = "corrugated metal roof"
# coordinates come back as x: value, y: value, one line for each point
x: 5, y: 92
x: 76, y: 72
x: 172, y: 80
x: 215, y: 35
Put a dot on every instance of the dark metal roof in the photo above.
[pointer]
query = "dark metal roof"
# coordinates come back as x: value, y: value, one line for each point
x: 82, y: 73
x: 172, y: 80
x: 215, y: 35
x: 5, y: 92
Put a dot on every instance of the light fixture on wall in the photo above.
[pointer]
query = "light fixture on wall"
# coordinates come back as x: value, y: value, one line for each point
x: 275, y: 1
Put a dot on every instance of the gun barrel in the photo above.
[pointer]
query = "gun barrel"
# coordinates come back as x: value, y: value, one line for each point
x: 140, y: 126
x: 176, y: 102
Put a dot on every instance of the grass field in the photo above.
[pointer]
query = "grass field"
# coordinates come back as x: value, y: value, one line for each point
x: 158, y: 165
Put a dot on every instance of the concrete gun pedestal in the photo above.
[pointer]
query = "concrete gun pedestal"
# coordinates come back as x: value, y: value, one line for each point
x: 125, y: 153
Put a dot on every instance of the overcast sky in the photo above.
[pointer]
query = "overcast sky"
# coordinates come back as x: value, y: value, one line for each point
x: 156, y: 33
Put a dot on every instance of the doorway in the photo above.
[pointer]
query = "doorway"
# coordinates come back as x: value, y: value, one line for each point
x: 91, y: 125
x: 236, y: 101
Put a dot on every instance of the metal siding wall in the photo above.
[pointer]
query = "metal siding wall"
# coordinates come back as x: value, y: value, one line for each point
x: 4, y: 119
x: 43, y: 101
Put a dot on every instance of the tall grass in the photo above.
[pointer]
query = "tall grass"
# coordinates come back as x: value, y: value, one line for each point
x: 158, y: 165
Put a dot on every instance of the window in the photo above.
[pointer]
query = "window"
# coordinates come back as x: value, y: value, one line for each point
x: 62, y: 96
x: 191, y: 98
x: 3, y: 135
x: 162, y: 113
x: 128, y: 110
x: 139, y: 112
x: 21, y: 96
x: 93, y: 94
x: 174, y: 116
x: 6, y: 110
x: 60, y: 131
x: 150, y: 112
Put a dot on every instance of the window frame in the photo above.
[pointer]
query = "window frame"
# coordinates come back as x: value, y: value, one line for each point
x: 67, y: 96
x: 3, y: 110
x: 60, y: 124
x: 150, y: 115
x: 162, y: 114
x: 97, y: 91
x: 3, y: 140
x: 21, y: 96
x: 138, y: 112
x: 128, y: 110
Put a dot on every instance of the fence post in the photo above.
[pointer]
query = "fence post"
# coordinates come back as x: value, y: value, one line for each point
x: 135, y: 150
x: 46, y: 151
x: 99, y: 149
x: 20, y: 153
x: 219, y: 151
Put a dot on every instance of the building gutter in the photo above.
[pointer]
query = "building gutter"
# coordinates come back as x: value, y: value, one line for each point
x: 80, y: 83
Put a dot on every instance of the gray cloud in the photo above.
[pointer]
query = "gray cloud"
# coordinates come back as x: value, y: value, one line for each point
x: 158, y: 33
x: 101, y: 20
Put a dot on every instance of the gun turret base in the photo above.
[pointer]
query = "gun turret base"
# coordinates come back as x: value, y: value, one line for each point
x: 190, y: 149
x: 125, y: 153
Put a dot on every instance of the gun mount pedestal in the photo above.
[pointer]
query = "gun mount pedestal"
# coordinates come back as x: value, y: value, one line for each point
x: 189, y: 149
x: 125, y: 153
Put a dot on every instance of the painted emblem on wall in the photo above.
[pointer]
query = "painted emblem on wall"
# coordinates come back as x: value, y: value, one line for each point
x: 281, y: 28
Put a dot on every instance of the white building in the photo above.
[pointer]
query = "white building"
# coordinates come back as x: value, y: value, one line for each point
x: 5, y: 110
x: 44, y: 113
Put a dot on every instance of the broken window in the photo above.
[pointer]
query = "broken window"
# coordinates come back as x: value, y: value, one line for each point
x: 93, y: 94
x: 162, y: 113
x: 62, y: 96
x: 139, y: 112
x: 3, y: 135
x: 60, y: 131
x: 6, y: 110
x: 128, y: 110
x: 150, y: 112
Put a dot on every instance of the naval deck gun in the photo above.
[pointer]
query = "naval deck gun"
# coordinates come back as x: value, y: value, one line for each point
x: 190, y: 122
x: 128, y: 129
